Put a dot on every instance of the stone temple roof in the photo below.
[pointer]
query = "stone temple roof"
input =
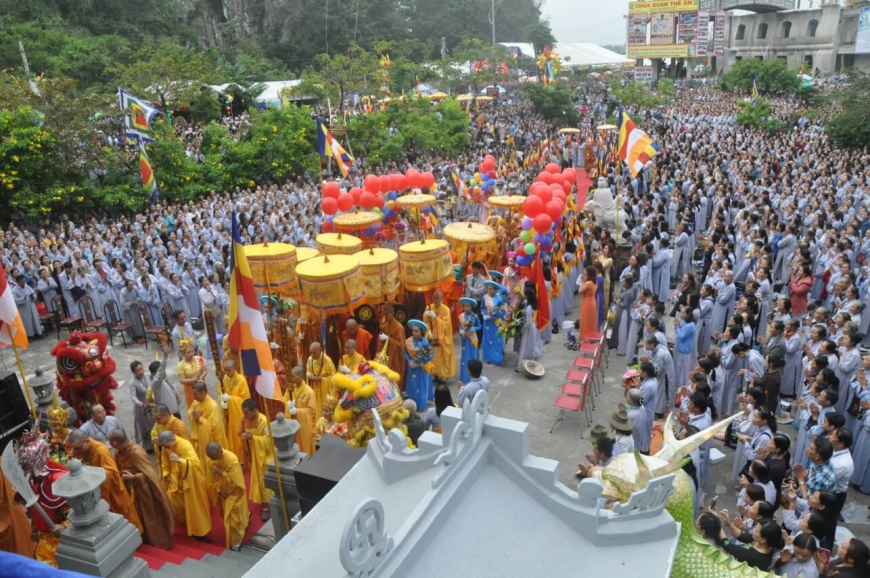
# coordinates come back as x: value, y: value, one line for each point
x: 472, y: 502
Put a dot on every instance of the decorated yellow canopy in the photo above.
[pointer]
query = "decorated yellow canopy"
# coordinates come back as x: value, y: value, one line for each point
x: 356, y: 221
x: 305, y: 253
x: 465, y: 97
x: 338, y: 244
x: 380, y: 272
x: 606, y: 127
x: 437, y: 95
x: 331, y: 283
x: 506, y: 201
x: 425, y: 264
x: 422, y: 200
x: 273, y: 268
x: 469, y: 233
x: 484, y: 98
x: 569, y: 130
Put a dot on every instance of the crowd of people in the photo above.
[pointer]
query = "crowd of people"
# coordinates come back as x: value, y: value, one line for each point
x: 745, y: 292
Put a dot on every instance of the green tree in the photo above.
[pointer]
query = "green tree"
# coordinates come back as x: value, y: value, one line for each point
x: 773, y: 77
x: 554, y: 103
x: 851, y: 126
x: 205, y: 107
x: 634, y: 94
x: 337, y: 76
x: 479, y: 63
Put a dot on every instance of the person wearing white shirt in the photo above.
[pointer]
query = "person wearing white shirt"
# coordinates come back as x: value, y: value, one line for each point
x: 844, y: 467
x: 100, y: 424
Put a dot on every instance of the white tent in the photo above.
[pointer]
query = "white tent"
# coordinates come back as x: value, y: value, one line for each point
x: 269, y: 96
x: 525, y: 48
x: 501, y: 89
x: 576, y: 54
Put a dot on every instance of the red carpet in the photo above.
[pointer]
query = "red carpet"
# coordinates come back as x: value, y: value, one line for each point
x: 187, y: 547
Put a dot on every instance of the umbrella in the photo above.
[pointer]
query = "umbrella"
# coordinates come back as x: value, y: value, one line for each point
x: 569, y: 130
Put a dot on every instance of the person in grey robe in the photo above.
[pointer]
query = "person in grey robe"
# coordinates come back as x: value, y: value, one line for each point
x: 774, y: 342
x: 210, y: 301
x: 765, y: 299
x: 787, y: 246
x: 531, y: 344
x: 845, y: 368
x: 723, y: 308
x: 100, y: 424
x: 67, y: 283
x: 150, y: 296
x: 129, y: 306
x: 681, y: 259
x: 622, y: 321
x: 191, y: 281
x: 663, y: 362
x: 143, y: 421
x: 638, y: 313
x: 25, y: 299
x: 705, y: 320
x: 47, y: 288
x: 792, y: 374
x: 641, y: 421
x: 103, y: 291
x: 661, y: 270
x: 177, y: 295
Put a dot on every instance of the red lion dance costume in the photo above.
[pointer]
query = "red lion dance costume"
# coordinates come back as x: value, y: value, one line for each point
x: 84, y: 373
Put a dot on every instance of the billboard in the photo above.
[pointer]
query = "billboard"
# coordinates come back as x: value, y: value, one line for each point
x: 643, y: 74
x: 862, y: 39
x: 703, y: 32
x: 719, y: 34
x: 672, y: 26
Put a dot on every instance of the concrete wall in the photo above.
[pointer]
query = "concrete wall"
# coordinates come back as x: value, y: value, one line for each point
x: 832, y: 47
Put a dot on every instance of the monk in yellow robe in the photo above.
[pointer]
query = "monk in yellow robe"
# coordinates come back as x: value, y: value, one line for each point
x: 165, y: 421
x: 206, y: 426
x: 228, y: 484
x: 363, y: 338
x: 394, y: 332
x: 113, y: 489
x: 184, y: 482
x: 257, y: 453
x: 303, y: 408
x: 351, y: 359
x: 190, y: 369
x: 149, y: 497
x: 234, y: 391
x: 14, y: 526
x: 437, y: 317
x: 319, y: 370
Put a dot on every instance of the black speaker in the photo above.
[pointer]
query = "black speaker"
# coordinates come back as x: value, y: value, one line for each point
x: 13, y: 405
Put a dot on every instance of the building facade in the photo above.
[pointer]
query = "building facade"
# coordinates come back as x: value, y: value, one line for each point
x: 821, y: 39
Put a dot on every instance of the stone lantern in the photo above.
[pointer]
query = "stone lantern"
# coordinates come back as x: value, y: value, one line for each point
x: 288, y: 454
x: 42, y: 385
x: 99, y: 542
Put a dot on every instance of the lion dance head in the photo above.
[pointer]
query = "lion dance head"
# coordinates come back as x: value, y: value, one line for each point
x: 84, y: 373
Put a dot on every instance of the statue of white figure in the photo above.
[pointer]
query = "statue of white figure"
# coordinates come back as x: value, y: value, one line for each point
x: 603, y: 207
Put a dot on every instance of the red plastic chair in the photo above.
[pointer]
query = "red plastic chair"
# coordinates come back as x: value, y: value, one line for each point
x: 599, y: 337
x: 583, y: 378
x: 594, y: 352
x: 565, y: 403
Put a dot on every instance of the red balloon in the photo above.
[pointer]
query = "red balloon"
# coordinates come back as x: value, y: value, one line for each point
x: 487, y: 165
x: 492, y: 174
x: 385, y: 182
x: 401, y: 182
x: 372, y: 183
x: 489, y: 158
x: 545, y: 177
x: 327, y: 226
x: 427, y: 180
x: 557, y: 178
x: 567, y: 186
x: 413, y: 176
x: 553, y: 209
x: 546, y: 195
x: 331, y: 190
x: 379, y: 201
x: 536, y: 187
x: 552, y: 168
x: 532, y: 206
x: 354, y: 193
x: 570, y: 175
x: 543, y: 223
x: 367, y: 200
x: 560, y: 195
x: 555, y: 187
x: 345, y: 201
x: 329, y: 205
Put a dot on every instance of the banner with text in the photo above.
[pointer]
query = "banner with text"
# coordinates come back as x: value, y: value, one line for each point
x: 719, y: 34
x: 672, y: 25
x: 643, y: 74
x: 862, y: 39
x: 703, y: 32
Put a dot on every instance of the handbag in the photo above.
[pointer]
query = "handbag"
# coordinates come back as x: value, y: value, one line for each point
x: 77, y: 293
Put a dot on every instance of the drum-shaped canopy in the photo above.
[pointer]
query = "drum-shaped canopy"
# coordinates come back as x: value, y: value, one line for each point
x: 338, y: 244
x: 305, y: 253
x: 472, y: 234
x: 331, y: 283
x: 425, y: 264
x: 355, y: 221
x: 380, y: 271
x: 411, y: 201
x: 506, y: 201
x: 273, y: 268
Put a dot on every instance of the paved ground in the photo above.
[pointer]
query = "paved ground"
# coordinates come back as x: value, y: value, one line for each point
x: 511, y: 396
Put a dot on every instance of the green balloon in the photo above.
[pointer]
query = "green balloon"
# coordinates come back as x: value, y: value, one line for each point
x: 529, y: 248
x: 525, y: 236
x: 472, y: 182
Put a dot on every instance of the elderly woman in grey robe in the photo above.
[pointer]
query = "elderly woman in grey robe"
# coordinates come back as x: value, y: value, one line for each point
x: 787, y: 246
x: 625, y: 297
x: 682, y: 258
x: 723, y: 307
x: 129, y: 305
x: 25, y: 299
x: 48, y: 288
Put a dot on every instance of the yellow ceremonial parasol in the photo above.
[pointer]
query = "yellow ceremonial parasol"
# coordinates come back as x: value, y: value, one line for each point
x: 484, y: 98
x: 331, y: 283
x: 380, y: 272
x: 465, y: 97
x: 416, y: 201
x: 472, y: 234
x: 338, y: 244
x: 273, y: 268
x: 506, y: 201
x: 353, y: 222
x: 437, y: 96
x: 425, y: 264
x: 606, y: 127
x: 305, y: 253
x: 569, y: 130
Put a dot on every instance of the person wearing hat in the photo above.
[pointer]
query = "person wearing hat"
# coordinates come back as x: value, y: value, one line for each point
x: 623, y: 427
x: 641, y: 420
x: 469, y: 325
x: 602, y: 451
x: 493, y: 312
x: 418, y: 354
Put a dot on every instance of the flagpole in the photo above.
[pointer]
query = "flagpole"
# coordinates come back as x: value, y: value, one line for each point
x: 23, y: 377
x: 277, y: 466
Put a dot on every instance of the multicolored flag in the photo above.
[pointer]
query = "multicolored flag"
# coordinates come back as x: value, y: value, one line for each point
x: 461, y: 189
x: 635, y: 147
x: 247, y: 333
x: 137, y: 124
x: 148, y: 182
x: 327, y: 146
x: 11, y: 327
x: 754, y: 94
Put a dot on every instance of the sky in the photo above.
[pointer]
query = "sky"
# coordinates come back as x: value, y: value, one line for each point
x: 595, y: 21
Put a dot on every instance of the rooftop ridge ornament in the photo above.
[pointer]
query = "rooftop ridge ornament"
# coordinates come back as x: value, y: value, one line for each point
x: 365, y: 542
x: 465, y: 437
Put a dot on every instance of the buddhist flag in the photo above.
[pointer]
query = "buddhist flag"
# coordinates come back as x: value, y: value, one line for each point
x: 137, y: 123
x: 461, y: 189
x: 247, y: 334
x: 327, y: 146
x: 636, y: 147
x: 754, y: 94
x: 11, y: 328
x: 148, y: 182
x: 542, y: 317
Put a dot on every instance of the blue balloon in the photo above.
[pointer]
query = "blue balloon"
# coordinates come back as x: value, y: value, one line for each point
x: 392, y: 196
x: 527, y: 223
x: 377, y: 227
x: 538, y: 238
x: 524, y: 261
x: 388, y: 213
x: 547, y: 244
